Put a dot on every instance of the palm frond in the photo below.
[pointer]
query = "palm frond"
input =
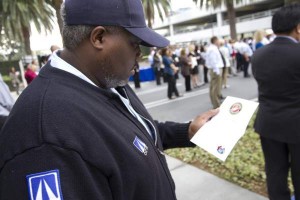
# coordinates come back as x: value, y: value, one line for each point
x: 20, y: 13
x: 152, y: 6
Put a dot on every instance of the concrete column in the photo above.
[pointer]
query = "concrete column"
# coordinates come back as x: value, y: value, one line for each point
x: 171, y: 30
x: 219, y: 23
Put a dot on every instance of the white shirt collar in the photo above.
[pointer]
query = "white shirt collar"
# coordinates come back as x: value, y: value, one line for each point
x: 59, y: 63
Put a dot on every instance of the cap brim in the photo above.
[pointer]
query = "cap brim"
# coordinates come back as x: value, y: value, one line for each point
x: 149, y: 37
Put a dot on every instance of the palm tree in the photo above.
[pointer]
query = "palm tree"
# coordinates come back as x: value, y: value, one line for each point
x: 162, y: 6
x: 17, y: 16
x: 150, y: 6
x: 291, y: 1
x: 56, y: 4
x: 230, y: 10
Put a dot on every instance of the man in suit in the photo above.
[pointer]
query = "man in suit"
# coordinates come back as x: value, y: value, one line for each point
x: 276, y: 68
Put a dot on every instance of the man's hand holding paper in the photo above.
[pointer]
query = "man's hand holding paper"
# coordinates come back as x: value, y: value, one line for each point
x: 220, y: 135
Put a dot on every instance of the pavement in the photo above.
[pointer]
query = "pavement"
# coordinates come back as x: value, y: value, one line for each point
x: 195, y: 184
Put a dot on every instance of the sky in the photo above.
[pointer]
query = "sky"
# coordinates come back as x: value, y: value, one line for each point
x: 41, y: 41
x: 177, y: 4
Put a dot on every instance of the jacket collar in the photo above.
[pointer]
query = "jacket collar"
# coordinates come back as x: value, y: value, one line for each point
x: 282, y: 38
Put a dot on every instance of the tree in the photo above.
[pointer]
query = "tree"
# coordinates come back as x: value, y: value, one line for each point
x: 230, y: 10
x: 56, y: 4
x: 150, y: 6
x: 162, y: 6
x: 291, y: 1
x: 17, y: 16
x: 10, y: 49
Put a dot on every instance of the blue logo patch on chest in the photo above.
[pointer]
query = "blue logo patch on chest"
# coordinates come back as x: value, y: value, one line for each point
x: 44, y: 186
x: 140, y: 145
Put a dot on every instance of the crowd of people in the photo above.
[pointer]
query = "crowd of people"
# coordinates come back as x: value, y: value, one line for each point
x: 80, y: 132
x: 31, y: 71
x: 210, y: 63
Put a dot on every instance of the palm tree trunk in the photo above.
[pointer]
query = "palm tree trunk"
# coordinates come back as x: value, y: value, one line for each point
x: 149, y: 23
x: 26, y: 37
x: 231, y: 18
x: 149, y: 15
x: 286, y: 2
x: 57, y: 6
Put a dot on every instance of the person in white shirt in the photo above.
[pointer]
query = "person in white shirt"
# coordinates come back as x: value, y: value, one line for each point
x: 246, y: 52
x: 6, y: 102
x: 214, y: 63
x: 226, y: 54
x: 239, y: 57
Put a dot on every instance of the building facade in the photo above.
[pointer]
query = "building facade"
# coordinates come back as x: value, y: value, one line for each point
x: 196, y: 25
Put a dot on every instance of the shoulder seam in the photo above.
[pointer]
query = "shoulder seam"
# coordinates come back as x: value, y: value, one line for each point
x: 41, y: 111
x: 43, y: 144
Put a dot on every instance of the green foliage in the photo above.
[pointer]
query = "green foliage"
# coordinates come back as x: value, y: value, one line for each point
x: 6, y: 65
x: 10, y: 49
x: 244, y: 166
x: 6, y: 78
x: 152, y: 6
x: 290, y: 1
x: 18, y: 15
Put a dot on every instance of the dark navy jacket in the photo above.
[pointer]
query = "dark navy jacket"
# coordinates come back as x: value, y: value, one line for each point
x: 276, y: 68
x: 84, y: 133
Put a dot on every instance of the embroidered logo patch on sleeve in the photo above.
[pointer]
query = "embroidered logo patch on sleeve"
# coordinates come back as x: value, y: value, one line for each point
x: 44, y: 186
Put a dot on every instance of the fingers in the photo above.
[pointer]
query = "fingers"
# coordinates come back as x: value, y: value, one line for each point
x: 210, y: 114
x: 200, y: 120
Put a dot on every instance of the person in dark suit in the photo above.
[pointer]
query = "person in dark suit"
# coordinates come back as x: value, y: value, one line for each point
x: 136, y: 76
x: 276, y: 68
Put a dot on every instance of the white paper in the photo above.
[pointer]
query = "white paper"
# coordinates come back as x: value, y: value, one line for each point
x: 222, y: 132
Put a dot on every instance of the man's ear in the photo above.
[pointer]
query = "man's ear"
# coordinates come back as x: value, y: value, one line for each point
x: 97, y: 37
x: 298, y: 28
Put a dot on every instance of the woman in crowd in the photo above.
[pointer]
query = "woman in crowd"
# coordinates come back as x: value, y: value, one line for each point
x: 226, y: 55
x: 156, y: 65
x: 258, y: 39
x: 195, y: 69
x: 29, y: 73
x: 170, y: 70
x: 14, y: 76
x: 185, y: 69
x: 202, y: 62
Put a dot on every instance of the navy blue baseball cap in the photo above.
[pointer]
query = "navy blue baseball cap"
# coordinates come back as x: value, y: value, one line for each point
x: 128, y: 14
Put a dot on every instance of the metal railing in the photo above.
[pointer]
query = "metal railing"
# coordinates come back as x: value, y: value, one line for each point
x: 253, y: 16
x: 243, y: 18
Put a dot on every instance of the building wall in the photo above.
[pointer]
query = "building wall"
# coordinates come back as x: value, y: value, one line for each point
x: 205, y: 35
x: 201, y: 24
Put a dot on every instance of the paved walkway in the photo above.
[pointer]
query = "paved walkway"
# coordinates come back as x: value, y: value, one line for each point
x: 195, y: 184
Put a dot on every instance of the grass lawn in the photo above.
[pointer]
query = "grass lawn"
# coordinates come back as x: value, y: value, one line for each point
x: 244, y: 166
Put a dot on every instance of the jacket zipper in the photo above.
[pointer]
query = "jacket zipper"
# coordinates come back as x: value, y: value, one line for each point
x: 158, y: 151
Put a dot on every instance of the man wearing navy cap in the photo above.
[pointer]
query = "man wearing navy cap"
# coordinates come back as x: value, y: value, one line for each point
x: 79, y: 131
